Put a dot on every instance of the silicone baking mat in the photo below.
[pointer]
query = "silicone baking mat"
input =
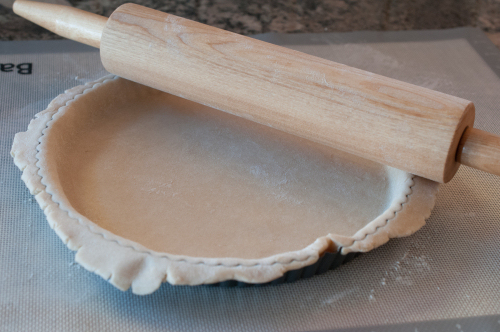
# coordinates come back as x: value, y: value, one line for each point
x: 446, y: 277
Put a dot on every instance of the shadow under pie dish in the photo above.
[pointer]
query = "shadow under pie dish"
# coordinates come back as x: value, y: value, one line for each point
x: 150, y: 188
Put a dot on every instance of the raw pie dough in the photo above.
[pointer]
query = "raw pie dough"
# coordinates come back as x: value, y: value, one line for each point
x: 148, y: 187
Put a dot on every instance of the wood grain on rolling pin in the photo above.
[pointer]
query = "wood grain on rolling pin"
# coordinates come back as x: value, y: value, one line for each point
x: 382, y: 119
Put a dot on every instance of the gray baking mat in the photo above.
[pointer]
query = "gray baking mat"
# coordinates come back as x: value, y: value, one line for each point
x: 448, y: 272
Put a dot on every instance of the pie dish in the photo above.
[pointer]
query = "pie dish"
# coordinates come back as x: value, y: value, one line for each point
x: 148, y: 188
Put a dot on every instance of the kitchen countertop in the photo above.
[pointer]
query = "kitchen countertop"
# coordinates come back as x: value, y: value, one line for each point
x: 260, y: 16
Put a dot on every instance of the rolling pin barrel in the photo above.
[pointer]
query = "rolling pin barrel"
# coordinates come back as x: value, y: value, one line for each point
x: 381, y: 119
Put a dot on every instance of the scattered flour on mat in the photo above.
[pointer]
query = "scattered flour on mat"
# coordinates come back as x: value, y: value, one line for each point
x: 371, y: 297
x: 406, y: 269
x: 337, y: 297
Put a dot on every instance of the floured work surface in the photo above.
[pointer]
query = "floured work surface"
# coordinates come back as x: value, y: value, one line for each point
x: 448, y: 270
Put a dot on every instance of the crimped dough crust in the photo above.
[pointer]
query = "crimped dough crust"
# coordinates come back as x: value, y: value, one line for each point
x: 126, y: 263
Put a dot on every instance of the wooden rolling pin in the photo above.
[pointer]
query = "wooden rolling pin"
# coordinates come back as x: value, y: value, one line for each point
x: 418, y: 130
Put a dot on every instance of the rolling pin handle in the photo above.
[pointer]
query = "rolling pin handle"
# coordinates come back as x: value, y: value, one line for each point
x: 69, y: 22
x: 480, y: 150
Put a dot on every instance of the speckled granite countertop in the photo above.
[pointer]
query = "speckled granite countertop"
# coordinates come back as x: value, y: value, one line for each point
x: 259, y: 16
